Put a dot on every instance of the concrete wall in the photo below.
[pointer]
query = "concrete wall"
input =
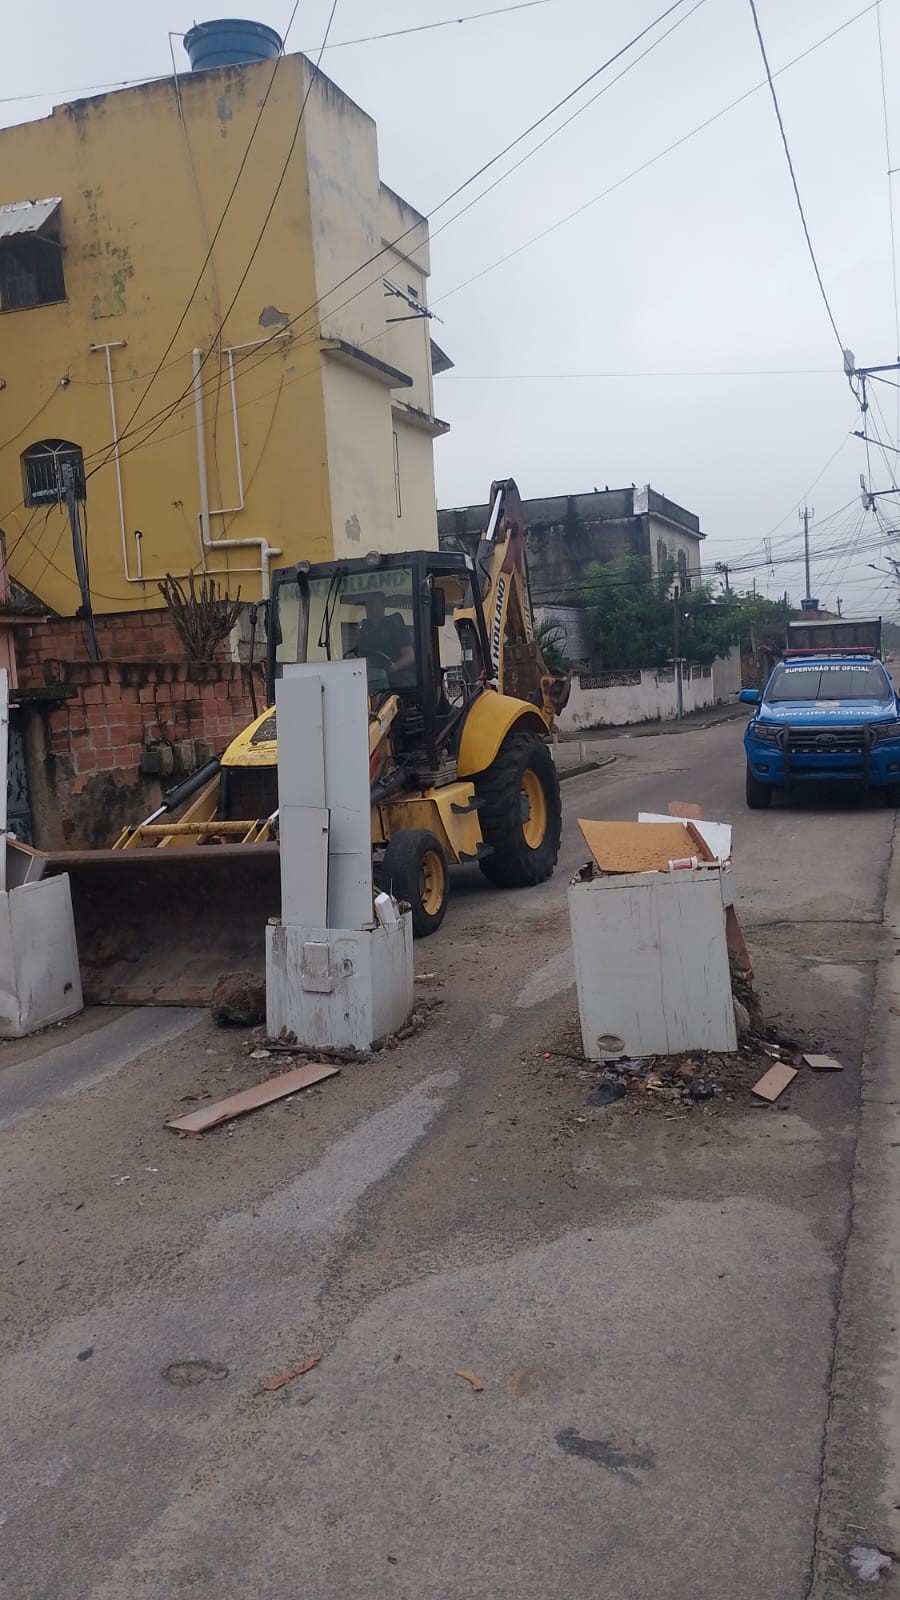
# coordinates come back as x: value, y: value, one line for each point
x: 354, y: 217
x: 135, y: 237
x: 417, y: 523
x: 361, y: 460
x: 621, y: 699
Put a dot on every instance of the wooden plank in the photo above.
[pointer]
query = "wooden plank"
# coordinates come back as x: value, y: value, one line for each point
x: 249, y: 1099
x: 823, y: 1063
x: 774, y: 1082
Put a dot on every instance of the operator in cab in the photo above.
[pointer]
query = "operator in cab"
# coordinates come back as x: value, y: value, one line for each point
x: 384, y: 639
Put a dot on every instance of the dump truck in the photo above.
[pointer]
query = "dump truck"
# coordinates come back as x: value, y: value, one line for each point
x: 835, y: 633
x: 461, y: 711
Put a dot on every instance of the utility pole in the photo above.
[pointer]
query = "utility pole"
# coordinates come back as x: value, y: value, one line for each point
x: 840, y: 602
x: 676, y: 654
x: 722, y: 566
x: 85, y: 611
x: 805, y: 515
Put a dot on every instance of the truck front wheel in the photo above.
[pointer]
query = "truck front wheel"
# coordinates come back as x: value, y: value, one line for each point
x: 759, y: 795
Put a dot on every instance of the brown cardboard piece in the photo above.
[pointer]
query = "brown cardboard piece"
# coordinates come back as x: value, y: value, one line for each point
x: 685, y: 808
x: 823, y: 1063
x: 773, y: 1082
x: 642, y: 846
x: 249, y: 1099
x: 737, y: 944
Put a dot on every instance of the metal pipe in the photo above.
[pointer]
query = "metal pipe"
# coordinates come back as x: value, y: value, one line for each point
x: 116, y: 344
x: 237, y: 435
x: 207, y: 542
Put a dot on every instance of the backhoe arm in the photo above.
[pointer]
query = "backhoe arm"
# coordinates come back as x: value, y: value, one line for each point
x: 517, y: 664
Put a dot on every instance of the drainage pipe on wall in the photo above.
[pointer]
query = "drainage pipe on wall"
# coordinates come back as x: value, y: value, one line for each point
x: 266, y: 551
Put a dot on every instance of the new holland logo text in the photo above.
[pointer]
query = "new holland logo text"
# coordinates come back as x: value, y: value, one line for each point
x: 497, y: 624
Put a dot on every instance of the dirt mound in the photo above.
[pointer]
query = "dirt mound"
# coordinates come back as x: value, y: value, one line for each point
x: 239, y: 1000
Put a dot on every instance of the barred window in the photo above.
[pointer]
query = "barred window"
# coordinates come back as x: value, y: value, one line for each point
x: 42, y: 473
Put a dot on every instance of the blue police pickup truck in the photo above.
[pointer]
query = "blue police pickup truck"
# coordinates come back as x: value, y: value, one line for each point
x: 827, y: 716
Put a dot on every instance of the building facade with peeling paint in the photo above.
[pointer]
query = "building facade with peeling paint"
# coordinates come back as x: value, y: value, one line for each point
x: 236, y: 381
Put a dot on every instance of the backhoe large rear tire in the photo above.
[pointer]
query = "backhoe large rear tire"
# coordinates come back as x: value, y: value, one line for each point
x: 414, y: 868
x: 521, y: 812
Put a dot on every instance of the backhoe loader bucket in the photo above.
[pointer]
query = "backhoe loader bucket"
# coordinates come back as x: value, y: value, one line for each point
x: 161, y: 927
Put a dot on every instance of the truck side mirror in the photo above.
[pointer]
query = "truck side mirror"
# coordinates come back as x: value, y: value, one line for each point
x: 749, y: 697
x: 438, y: 608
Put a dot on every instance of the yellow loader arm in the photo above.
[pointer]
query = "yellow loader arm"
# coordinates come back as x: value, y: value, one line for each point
x: 517, y: 666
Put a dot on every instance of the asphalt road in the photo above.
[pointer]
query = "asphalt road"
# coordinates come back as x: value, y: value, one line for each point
x: 655, y: 1304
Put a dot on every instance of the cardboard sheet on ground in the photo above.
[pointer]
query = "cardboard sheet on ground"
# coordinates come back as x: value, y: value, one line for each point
x: 642, y: 846
x: 774, y: 1082
x: 262, y: 1094
x: 717, y: 835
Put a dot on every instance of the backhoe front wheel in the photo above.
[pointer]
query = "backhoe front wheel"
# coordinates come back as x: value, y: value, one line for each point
x: 414, y: 868
x: 521, y: 812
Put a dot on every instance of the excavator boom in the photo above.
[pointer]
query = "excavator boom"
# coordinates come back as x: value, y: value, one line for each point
x: 519, y: 667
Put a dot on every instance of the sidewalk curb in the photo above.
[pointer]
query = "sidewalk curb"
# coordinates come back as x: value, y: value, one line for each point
x: 584, y: 766
x: 861, y: 1448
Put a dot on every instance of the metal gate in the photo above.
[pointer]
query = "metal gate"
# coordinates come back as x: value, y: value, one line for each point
x: 18, y: 800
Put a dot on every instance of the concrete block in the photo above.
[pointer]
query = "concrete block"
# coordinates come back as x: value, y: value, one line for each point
x: 40, y: 981
x: 339, y: 988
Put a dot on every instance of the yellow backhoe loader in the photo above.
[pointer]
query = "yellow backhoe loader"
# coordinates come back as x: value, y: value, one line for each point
x: 461, y: 707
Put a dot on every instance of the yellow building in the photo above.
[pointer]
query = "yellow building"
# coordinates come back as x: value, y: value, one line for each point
x: 235, y: 364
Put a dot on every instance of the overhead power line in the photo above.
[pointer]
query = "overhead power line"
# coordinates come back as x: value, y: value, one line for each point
x: 392, y: 244
x: 337, y: 44
x: 710, y: 372
x: 427, y: 27
x: 635, y: 172
x: 267, y: 350
x: 787, y: 152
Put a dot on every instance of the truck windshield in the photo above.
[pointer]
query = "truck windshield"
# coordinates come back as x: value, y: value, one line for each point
x: 839, y: 680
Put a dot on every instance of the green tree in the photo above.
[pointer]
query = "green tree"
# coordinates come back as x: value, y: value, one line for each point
x: 631, y: 614
x: 550, y: 637
x: 762, y: 620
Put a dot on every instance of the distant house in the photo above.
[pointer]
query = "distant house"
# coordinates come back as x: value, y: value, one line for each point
x: 566, y: 534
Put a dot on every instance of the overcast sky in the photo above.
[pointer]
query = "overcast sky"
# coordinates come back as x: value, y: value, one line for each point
x: 577, y: 359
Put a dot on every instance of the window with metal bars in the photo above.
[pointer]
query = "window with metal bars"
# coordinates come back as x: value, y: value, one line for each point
x: 42, y: 473
x: 31, y: 273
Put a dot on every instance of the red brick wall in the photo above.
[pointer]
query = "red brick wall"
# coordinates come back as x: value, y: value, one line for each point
x: 85, y: 748
x: 127, y: 636
x: 122, y: 707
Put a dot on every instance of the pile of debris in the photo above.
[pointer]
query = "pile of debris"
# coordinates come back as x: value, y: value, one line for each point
x: 758, y: 1072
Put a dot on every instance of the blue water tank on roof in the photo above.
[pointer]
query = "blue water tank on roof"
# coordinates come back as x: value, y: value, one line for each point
x: 231, y: 42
